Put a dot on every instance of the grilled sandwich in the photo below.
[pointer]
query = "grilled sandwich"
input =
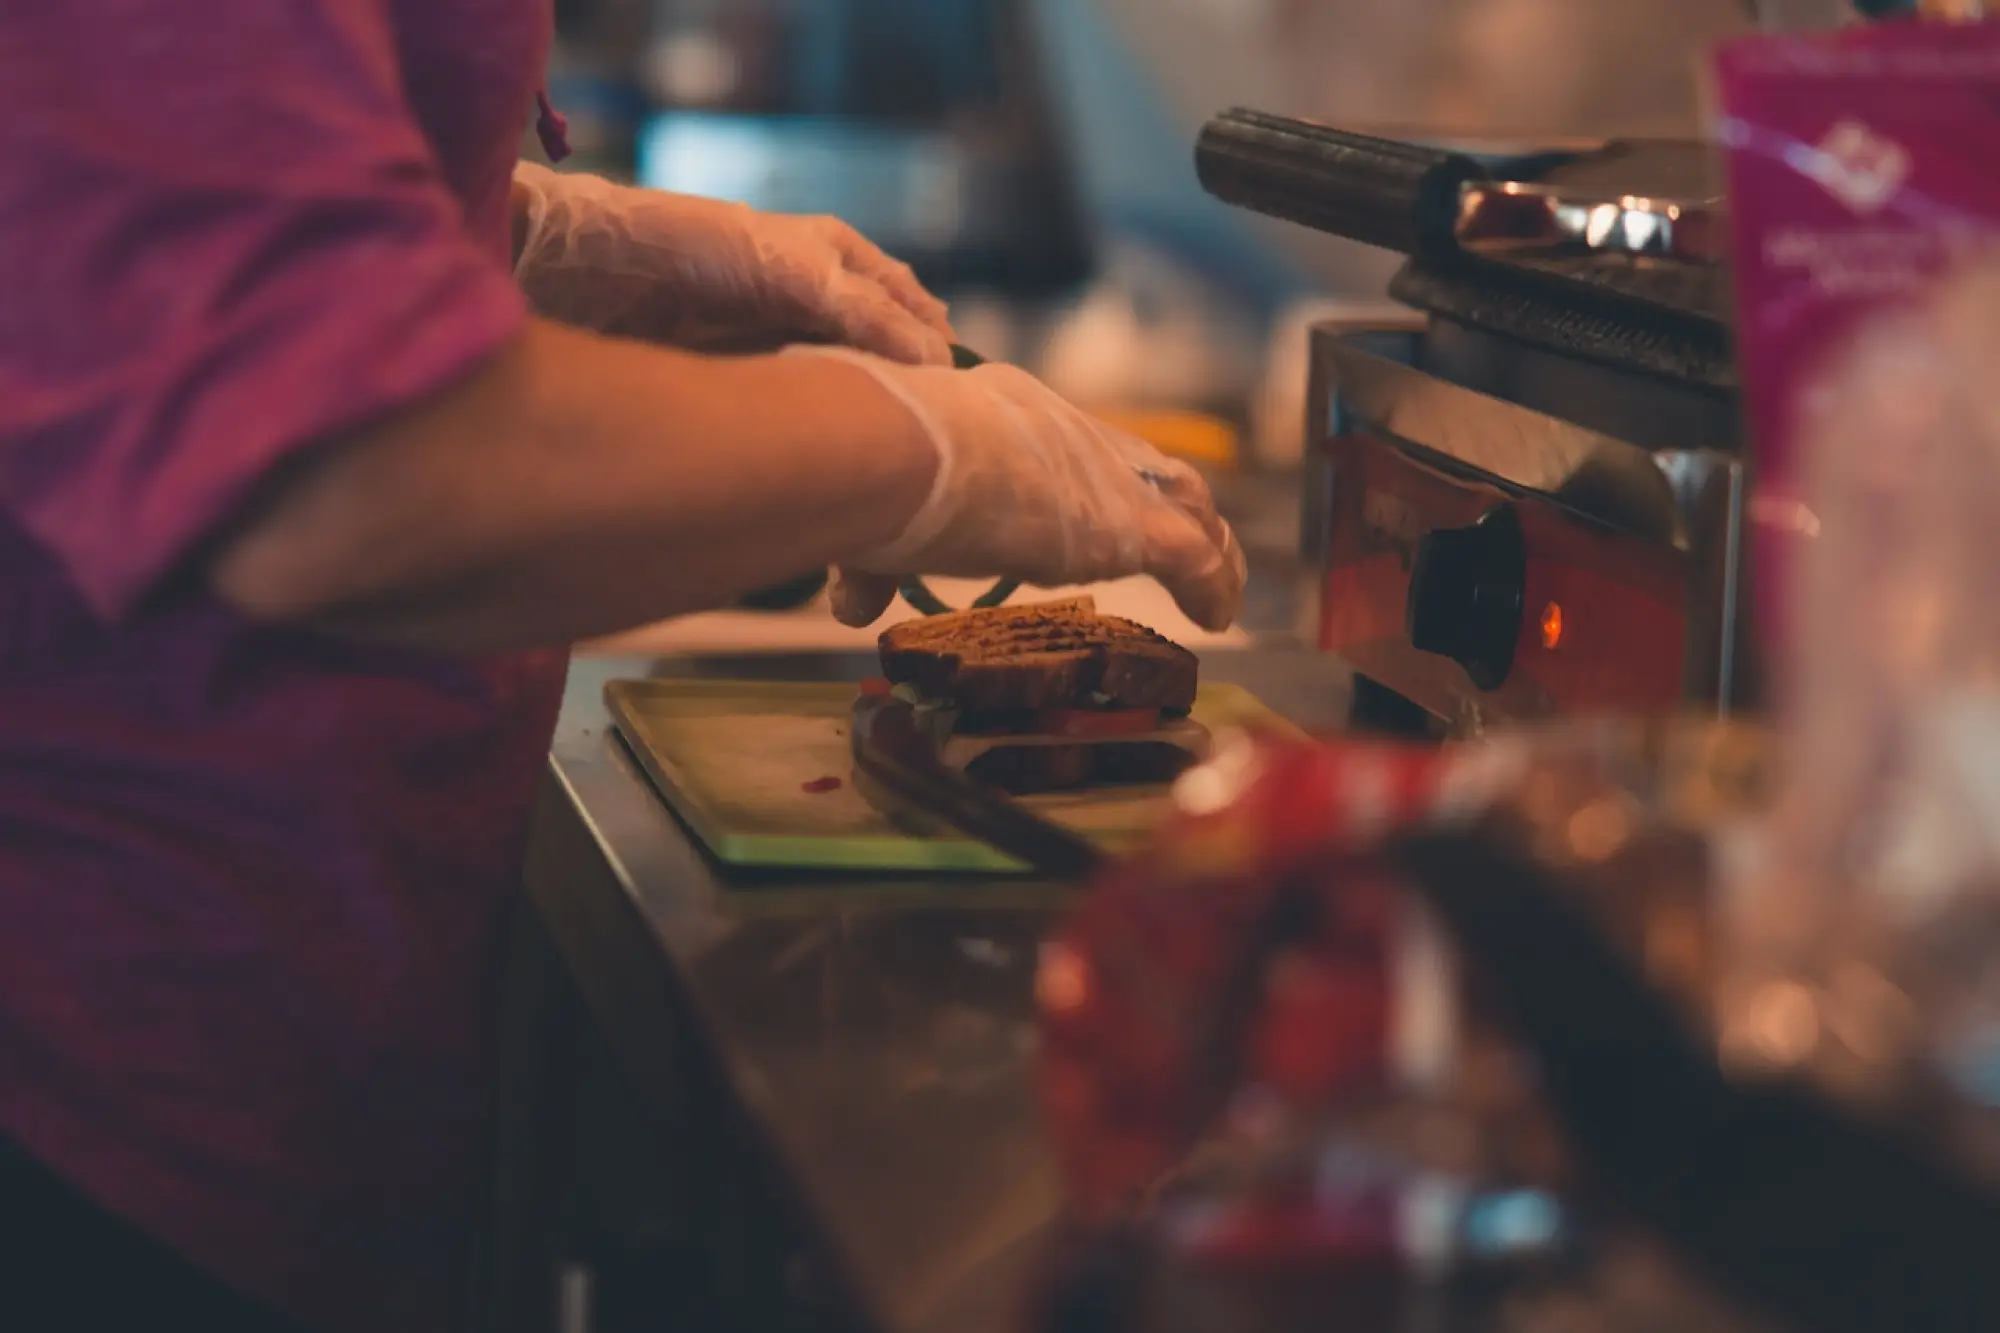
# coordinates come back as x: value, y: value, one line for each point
x: 1049, y: 697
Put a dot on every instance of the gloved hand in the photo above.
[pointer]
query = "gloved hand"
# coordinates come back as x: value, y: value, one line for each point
x: 713, y: 276
x: 1032, y: 488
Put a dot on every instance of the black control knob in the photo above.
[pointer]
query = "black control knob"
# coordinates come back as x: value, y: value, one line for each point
x: 1466, y: 595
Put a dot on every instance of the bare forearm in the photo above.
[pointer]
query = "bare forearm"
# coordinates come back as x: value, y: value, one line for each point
x: 578, y: 486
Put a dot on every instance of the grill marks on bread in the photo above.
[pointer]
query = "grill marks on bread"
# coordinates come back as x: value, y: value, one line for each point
x: 1009, y: 659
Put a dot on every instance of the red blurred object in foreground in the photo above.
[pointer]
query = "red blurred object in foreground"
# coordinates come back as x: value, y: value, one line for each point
x: 1251, y: 944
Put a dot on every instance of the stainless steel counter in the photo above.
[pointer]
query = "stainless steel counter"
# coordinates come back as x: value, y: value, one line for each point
x: 858, y: 1050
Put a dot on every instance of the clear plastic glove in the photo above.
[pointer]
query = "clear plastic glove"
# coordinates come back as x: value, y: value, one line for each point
x: 715, y: 276
x: 1030, y: 487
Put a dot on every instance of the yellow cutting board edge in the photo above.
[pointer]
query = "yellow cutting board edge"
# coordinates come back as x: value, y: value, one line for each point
x: 732, y: 759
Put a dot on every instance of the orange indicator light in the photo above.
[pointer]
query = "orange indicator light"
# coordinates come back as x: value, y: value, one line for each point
x: 1552, y: 624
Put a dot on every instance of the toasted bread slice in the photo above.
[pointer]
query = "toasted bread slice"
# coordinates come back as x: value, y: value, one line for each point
x: 1052, y: 655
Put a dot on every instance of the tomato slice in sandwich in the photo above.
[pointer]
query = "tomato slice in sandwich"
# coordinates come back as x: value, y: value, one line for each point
x: 1089, y: 723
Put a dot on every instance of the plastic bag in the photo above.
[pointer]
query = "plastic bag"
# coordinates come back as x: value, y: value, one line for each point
x: 1864, y: 927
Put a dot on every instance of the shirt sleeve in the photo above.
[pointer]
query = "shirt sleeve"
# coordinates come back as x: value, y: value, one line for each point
x: 223, y: 240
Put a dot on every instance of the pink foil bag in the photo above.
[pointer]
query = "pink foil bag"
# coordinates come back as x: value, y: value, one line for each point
x: 1861, y: 165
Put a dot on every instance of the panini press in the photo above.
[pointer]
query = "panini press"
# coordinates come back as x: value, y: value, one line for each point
x: 1528, y: 498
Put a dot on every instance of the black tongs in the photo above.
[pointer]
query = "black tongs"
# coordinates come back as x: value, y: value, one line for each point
x: 914, y: 590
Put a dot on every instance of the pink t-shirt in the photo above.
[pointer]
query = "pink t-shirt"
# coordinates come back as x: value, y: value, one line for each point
x: 251, y: 880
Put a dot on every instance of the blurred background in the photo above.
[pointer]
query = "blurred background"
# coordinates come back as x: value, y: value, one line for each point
x: 1034, y: 160
x: 1033, y: 157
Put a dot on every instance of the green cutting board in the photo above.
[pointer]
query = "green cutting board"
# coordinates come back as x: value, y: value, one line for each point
x: 744, y: 765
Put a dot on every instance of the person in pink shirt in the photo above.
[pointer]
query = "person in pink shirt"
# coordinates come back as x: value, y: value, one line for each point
x: 325, y: 425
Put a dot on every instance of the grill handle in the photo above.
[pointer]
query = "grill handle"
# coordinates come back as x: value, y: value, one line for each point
x: 1398, y: 196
